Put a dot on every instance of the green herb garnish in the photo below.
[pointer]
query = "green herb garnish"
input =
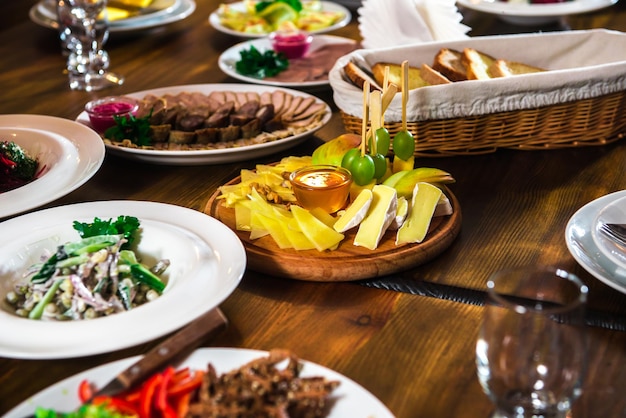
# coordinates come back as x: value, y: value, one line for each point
x: 124, y: 225
x: 261, y: 64
x: 295, y: 4
x: 137, y: 130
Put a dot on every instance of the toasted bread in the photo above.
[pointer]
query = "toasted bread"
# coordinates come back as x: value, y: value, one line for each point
x: 358, y: 76
x: 432, y: 76
x: 395, y: 75
x: 449, y: 63
x: 504, y: 68
x: 477, y: 64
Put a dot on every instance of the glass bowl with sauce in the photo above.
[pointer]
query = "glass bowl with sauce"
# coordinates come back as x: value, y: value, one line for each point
x: 292, y: 43
x: 321, y: 186
x: 101, y: 112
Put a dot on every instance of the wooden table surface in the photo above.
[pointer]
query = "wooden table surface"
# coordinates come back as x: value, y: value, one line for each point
x: 415, y: 353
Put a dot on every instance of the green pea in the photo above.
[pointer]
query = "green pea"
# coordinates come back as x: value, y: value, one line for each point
x: 363, y: 170
x: 403, y: 145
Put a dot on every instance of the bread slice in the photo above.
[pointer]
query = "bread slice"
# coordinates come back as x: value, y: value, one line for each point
x: 449, y: 63
x: 505, y: 68
x: 432, y: 76
x: 477, y: 64
x: 358, y: 76
x: 395, y: 75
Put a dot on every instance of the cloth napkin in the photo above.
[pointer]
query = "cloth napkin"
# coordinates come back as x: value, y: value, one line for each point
x: 388, y: 23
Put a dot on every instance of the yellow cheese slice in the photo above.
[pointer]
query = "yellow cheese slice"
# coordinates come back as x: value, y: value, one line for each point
x: 243, y: 215
x: 425, y: 199
x: 381, y: 213
x: 276, y: 231
x: 323, y: 216
x: 320, y: 234
x: 356, y: 212
x: 401, y: 212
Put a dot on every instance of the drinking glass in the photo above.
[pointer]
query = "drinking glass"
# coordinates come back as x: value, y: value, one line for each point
x: 83, y: 30
x: 531, y: 349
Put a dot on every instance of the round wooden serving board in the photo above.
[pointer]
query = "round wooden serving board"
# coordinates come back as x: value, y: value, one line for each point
x: 348, y: 262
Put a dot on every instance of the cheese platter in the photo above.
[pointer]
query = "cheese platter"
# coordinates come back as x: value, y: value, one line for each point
x: 347, y: 262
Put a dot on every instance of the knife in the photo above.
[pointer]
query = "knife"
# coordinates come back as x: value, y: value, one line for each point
x: 172, y: 349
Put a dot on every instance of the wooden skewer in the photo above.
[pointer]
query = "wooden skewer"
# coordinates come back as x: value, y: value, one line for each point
x: 366, y: 90
x: 405, y: 92
x: 375, y: 117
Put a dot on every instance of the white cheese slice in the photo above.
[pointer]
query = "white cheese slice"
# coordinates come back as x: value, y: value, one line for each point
x: 380, y: 215
x: 401, y: 212
x: 425, y: 199
x: 355, y: 213
x: 444, y: 207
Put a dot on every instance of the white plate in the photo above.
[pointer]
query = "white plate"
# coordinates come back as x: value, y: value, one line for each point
x: 228, y: 59
x: 157, y: 10
x: 329, y: 6
x: 352, y: 400
x: 215, y: 156
x: 614, y: 212
x: 183, y: 10
x: 578, y: 236
x: 70, y: 153
x: 207, y: 263
x: 521, y: 13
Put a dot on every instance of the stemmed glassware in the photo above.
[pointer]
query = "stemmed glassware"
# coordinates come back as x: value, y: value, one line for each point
x: 531, y: 350
x: 83, y: 30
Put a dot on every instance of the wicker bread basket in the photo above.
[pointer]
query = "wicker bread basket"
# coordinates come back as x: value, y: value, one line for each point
x: 581, y: 101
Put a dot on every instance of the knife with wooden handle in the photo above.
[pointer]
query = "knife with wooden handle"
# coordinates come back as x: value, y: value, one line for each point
x: 172, y: 349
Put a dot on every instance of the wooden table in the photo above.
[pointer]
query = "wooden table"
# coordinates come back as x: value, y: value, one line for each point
x: 414, y: 353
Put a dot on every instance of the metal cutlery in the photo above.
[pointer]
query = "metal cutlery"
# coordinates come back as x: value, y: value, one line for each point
x: 617, y: 232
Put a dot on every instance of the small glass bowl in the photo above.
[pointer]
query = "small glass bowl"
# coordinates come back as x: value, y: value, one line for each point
x: 101, y: 111
x: 321, y: 186
x: 293, y: 43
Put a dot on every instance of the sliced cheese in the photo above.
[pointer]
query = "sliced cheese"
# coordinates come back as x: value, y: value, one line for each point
x: 444, y: 207
x: 380, y: 215
x: 323, y: 216
x: 320, y: 234
x: 355, y: 213
x: 425, y: 199
x: 243, y: 215
x: 401, y: 212
x: 276, y: 231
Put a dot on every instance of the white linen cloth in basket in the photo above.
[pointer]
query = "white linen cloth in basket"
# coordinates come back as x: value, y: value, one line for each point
x: 582, y: 64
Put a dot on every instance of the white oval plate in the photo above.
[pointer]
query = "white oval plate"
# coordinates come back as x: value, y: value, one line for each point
x: 578, y: 236
x: 214, y: 156
x: 183, y: 10
x: 615, y: 212
x: 207, y: 263
x: 228, y: 60
x: 158, y: 9
x: 352, y: 400
x: 329, y: 6
x: 69, y: 153
x: 520, y: 13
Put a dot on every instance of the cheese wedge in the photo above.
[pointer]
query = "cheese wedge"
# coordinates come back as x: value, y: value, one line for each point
x: 321, y: 235
x: 401, y: 212
x: 444, y: 207
x: 380, y: 215
x: 356, y: 212
x: 423, y: 203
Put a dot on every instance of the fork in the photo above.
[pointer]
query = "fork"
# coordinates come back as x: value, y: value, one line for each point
x: 617, y: 232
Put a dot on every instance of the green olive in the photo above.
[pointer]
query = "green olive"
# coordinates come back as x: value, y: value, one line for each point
x: 363, y: 170
x: 403, y: 145
x: 380, y: 166
x: 383, y: 140
x: 349, y: 157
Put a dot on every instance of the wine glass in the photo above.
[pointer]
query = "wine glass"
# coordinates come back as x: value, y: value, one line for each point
x: 83, y: 30
x: 531, y: 349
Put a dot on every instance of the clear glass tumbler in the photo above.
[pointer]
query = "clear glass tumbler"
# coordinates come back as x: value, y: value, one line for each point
x: 531, y: 350
x: 83, y: 31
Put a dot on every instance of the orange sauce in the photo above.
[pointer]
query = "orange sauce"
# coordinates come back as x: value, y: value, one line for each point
x: 325, y: 187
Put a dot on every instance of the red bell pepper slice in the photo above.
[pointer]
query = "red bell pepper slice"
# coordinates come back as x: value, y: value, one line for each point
x: 188, y: 385
x: 147, y: 395
x: 85, y: 391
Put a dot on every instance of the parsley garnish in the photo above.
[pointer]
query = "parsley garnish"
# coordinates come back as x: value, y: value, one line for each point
x: 261, y: 64
x: 125, y: 225
x: 137, y: 130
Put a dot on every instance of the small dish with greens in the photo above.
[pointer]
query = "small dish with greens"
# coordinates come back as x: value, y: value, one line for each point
x: 94, y: 276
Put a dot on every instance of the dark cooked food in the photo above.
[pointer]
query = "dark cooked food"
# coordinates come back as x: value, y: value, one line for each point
x: 16, y: 167
x: 261, y: 389
x: 224, y: 119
